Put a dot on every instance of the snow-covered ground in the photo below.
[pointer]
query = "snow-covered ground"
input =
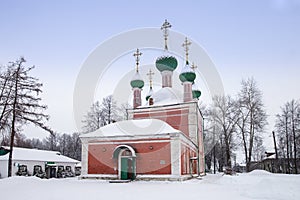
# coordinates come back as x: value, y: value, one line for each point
x: 254, y: 185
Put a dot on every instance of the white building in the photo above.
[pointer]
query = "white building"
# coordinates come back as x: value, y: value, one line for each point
x: 48, y: 160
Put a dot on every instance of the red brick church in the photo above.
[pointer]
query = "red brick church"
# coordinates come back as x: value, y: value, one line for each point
x: 161, y: 140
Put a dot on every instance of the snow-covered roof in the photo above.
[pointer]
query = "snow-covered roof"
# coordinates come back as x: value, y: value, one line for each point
x: 38, y: 155
x: 138, y: 127
x: 166, y: 96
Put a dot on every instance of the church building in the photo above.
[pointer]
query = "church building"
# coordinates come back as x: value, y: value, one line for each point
x: 162, y: 139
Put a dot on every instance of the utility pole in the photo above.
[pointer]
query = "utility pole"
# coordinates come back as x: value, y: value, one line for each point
x: 275, y: 146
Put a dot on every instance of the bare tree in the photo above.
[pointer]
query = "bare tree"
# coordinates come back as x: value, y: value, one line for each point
x: 69, y: 145
x: 258, y: 148
x: 225, y: 117
x: 21, y: 102
x: 51, y: 142
x: 94, y: 119
x: 22, y: 141
x: 294, y: 108
x: 252, y: 116
x: 123, y: 111
x: 37, y: 143
x: 75, y: 146
x: 64, y: 141
x: 288, y: 133
x: 6, y: 86
x: 110, y: 109
x: 101, y: 114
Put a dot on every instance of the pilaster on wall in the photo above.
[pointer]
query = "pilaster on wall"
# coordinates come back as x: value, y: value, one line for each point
x: 201, y: 149
x: 84, y: 157
x: 175, y: 155
x: 193, y: 122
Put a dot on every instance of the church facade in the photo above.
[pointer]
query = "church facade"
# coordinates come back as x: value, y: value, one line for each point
x: 160, y: 140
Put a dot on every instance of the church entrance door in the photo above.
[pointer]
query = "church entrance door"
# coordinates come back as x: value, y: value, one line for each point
x: 126, y: 158
x: 124, y: 168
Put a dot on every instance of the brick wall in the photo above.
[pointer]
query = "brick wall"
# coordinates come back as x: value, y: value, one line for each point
x: 153, y: 157
x: 176, y: 117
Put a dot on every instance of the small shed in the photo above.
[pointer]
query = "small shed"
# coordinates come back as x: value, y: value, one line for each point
x: 31, y: 161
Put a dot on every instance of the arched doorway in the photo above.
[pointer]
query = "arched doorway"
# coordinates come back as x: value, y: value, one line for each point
x: 126, y: 159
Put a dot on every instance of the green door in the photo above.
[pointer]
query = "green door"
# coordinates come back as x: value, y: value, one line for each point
x: 132, y: 169
x: 124, y: 168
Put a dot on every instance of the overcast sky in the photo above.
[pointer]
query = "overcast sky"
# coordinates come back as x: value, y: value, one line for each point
x: 254, y: 38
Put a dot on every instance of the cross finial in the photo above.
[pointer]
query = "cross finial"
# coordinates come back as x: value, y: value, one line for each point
x: 166, y: 25
x: 186, y: 45
x: 137, y: 55
x: 194, y: 66
x: 150, y: 77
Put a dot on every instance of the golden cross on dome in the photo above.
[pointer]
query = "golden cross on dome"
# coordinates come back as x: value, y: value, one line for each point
x: 194, y: 66
x: 166, y: 25
x: 137, y: 55
x: 186, y: 45
x: 150, y: 77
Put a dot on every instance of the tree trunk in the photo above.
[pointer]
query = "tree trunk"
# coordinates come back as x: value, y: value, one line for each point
x: 245, y: 149
x: 12, y: 136
x: 228, y: 158
x: 242, y: 128
x: 13, y: 128
x: 294, y: 140
x: 251, y: 142
x: 295, y: 154
x: 251, y: 137
x: 214, y: 150
x: 109, y: 115
x: 287, y: 146
x: 221, y: 161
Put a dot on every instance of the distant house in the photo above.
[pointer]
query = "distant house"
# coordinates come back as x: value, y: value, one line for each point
x: 276, y: 165
x: 280, y: 165
x: 31, y: 161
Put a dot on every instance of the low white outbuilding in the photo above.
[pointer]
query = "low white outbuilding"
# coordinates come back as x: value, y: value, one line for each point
x: 49, y: 161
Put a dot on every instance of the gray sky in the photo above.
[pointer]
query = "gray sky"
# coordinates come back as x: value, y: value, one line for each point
x: 258, y: 38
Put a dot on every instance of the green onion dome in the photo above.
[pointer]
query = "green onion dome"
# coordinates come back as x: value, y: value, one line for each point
x: 137, y: 81
x: 196, y: 92
x: 166, y: 63
x: 187, y: 74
